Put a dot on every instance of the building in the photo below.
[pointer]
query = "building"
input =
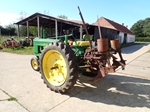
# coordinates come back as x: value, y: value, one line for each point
x: 111, y: 30
x: 56, y: 25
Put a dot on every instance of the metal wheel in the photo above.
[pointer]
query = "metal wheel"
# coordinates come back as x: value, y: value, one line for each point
x: 35, y: 64
x: 58, y: 67
x: 54, y: 67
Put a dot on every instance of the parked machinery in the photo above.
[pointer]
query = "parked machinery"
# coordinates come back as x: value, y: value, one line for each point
x: 60, y: 60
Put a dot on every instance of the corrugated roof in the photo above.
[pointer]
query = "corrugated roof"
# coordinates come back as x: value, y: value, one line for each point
x: 46, y: 19
x: 104, y: 22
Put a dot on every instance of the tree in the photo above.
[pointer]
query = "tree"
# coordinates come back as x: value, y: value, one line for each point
x: 141, y: 28
x: 33, y: 30
x: 137, y: 28
x: 10, y: 29
x: 63, y: 16
x: 146, y: 29
x: 23, y: 30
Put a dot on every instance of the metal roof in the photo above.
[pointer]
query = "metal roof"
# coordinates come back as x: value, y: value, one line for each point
x: 47, y: 21
x: 104, y: 22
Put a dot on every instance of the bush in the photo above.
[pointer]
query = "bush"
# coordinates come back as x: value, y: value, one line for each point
x: 142, y: 39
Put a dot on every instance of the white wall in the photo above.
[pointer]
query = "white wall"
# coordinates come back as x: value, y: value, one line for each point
x: 130, y: 38
x: 121, y: 37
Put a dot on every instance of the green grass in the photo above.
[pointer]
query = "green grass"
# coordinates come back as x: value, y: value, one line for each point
x: 19, y: 50
x: 12, y: 99
x: 142, y: 39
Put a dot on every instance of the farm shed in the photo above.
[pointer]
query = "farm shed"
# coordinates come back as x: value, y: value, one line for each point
x: 56, y: 27
x: 112, y: 30
x: 54, y: 24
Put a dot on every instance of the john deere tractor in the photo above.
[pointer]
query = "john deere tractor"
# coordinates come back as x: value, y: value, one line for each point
x: 60, y: 59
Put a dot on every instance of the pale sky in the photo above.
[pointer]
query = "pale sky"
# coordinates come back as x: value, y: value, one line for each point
x: 120, y: 11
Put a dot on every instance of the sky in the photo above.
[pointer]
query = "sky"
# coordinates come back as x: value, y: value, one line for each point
x: 120, y: 11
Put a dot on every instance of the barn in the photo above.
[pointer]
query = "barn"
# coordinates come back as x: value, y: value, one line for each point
x: 112, y: 30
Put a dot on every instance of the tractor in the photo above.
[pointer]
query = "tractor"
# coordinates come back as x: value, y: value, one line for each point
x: 61, y: 59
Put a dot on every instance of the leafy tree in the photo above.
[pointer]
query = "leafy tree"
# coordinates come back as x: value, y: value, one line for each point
x: 146, y: 29
x: 33, y: 30
x: 23, y: 30
x: 137, y: 28
x: 10, y: 29
x: 141, y: 28
x: 63, y: 16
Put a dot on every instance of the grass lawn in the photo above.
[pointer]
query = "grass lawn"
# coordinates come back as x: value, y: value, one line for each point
x: 19, y: 50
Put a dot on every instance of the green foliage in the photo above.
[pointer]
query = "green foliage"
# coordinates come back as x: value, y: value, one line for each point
x: 63, y: 16
x: 12, y: 99
x: 33, y: 30
x: 23, y: 30
x: 8, y: 30
x: 19, y: 50
x: 137, y: 28
x: 142, y: 39
x: 146, y: 29
x: 141, y: 28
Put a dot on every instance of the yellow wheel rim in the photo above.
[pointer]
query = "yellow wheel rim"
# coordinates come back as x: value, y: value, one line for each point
x: 34, y: 64
x: 54, y: 67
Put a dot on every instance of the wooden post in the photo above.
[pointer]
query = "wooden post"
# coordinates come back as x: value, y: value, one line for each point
x: 81, y: 32
x: 99, y: 29
x: 38, y: 24
x: 50, y: 30
x: 41, y: 31
x: 18, y: 32
x: 28, y: 29
x: 56, y: 33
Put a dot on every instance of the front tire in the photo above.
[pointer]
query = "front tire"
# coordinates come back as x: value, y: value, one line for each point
x: 35, y: 64
x: 58, y: 67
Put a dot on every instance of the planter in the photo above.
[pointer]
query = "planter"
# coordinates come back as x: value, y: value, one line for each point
x: 102, y: 45
x: 115, y: 44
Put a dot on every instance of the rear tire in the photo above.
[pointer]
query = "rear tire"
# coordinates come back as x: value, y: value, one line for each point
x: 58, y: 67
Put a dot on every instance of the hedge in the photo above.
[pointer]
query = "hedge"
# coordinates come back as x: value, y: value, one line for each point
x: 142, y: 39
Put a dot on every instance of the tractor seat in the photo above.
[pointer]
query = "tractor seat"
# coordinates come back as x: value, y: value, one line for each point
x: 84, y: 42
x: 81, y: 43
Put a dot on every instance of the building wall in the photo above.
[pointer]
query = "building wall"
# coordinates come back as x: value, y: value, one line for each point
x: 121, y: 37
x: 130, y: 38
x: 106, y: 33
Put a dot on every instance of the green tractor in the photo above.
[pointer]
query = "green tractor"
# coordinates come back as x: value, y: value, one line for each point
x: 60, y: 59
